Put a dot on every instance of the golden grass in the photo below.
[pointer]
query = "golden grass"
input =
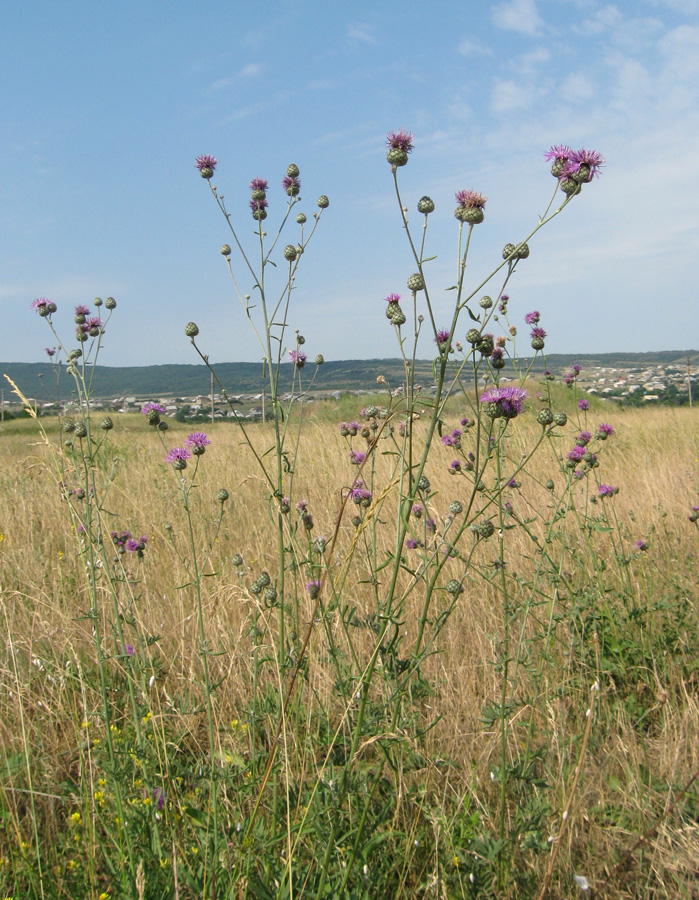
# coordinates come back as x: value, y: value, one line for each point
x: 653, y: 458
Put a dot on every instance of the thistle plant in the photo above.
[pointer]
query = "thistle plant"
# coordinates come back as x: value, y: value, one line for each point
x: 283, y: 728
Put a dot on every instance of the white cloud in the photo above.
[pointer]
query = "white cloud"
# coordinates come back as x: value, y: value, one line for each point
x: 219, y: 85
x: 467, y: 47
x: 517, y: 15
x: 252, y: 70
x: 363, y: 34
x: 509, y: 96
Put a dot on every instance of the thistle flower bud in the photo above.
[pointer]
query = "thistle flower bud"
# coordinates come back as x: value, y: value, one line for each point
x: 106, y: 424
x: 259, y: 214
x: 397, y: 157
x: 290, y: 252
x: 80, y: 430
x: 508, y: 251
x: 271, y: 596
x: 473, y: 335
x: 293, y: 171
x: 544, y: 417
x: 110, y: 303
x: 416, y: 283
x: 522, y: 251
x: 570, y: 186
x: 560, y: 419
x: 97, y: 301
x: 455, y: 507
x: 537, y: 343
x: 163, y: 426
x: 549, y: 485
x: 323, y: 202
x: 191, y: 329
x: 454, y: 587
x: 485, y: 302
x: 485, y: 529
x: 320, y: 359
x: 423, y: 483
x: 222, y: 495
x: 263, y: 579
x: 425, y: 205
x: 237, y: 561
x: 301, y: 219
x: 69, y: 427
x: 225, y: 250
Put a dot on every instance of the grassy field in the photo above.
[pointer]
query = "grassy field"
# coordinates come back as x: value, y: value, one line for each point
x: 601, y: 699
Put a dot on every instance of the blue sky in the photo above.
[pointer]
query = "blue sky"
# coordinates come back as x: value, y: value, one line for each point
x: 105, y: 107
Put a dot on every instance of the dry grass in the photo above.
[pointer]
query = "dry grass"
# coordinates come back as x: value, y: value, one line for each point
x: 630, y: 773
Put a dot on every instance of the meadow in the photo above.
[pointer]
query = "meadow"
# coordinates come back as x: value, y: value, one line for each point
x: 441, y: 646
x: 436, y: 812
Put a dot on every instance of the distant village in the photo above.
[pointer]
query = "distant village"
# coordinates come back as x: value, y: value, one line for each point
x: 671, y: 384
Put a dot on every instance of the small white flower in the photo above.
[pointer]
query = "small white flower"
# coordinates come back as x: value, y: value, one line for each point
x: 581, y: 882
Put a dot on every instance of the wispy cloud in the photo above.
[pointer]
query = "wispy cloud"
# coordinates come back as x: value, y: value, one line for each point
x: 361, y: 33
x: 219, y: 85
x: 252, y: 70
x: 518, y: 15
x: 467, y: 47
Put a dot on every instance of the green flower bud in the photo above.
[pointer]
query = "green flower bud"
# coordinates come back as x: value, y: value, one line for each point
x: 106, y: 424
x: 455, y: 507
x: 454, y: 587
x: 397, y: 157
x: 226, y: 250
x: 80, y: 430
x: 485, y: 302
x: 415, y: 283
x: 110, y: 303
x: 191, y: 329
x: 425, y: 205
x: 544, y: 417
x: 323, y: 202
x: 237, y: 561
x: 508, y: 251
x: 293, y: 171
x: 301, y: 219
x: 320, y: 359
x: 560, y: 419
x: 222, y: 495
x: 290, y: 252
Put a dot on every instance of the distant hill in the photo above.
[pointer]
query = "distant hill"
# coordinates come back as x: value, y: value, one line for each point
x: 38, y: 379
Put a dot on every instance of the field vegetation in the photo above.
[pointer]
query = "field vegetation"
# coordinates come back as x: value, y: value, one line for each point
x: 442, y: 646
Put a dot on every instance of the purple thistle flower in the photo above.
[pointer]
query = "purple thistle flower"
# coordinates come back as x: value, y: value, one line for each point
x: 465, y: 422
x: 431, y: 525
x: 510, y: 399
x: 152, y: 407
x: 258, y: 204
x: 298, y: 358
x: 558, y: 152
x: 577, y: 453
x: 538, y: 333
x: 392, y: 298
x: 93, y: 322
x: 513, y: 483
x: 205, y: 162
x: 158, y: 798
x: 470, y: 199
x: 258, y: 184
x: 197, y: 439
x: 569, y: 378
x: 400, y: 140
x: 578, y: 474
x: 412, y: 544
x: 605, y: 428
x: 357, y: 457
x: 577, y: 369
x: 532, y: 318
x: 416, y: 510
x: 354, y: 426
x: 497, y: 353
x: 132, y: 545
x: 606, y: 490
x: 301, y: 506
x: 313, y: 587
x: 82, y: 310
x: 43, y: 306
x: 178, y: 457
x: 291, y: 184
x: 583, y: 439
x: 589, y: 161
x: 50, y: 351
x: 442, y: 336
x: 583, y: 404
x: 129, y: 650
x: 641, y: 544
